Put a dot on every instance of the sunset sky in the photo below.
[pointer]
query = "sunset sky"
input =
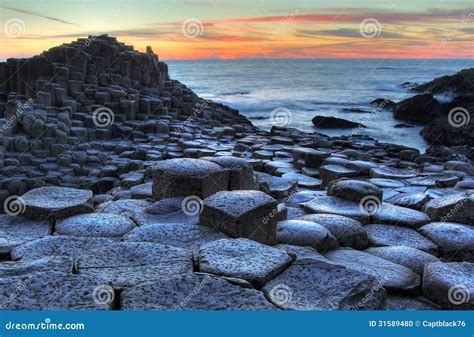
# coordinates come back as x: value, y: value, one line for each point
x: 229, y: 29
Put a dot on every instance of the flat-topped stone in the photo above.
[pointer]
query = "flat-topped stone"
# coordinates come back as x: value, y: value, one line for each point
x: 242, y: 214
x: 337, y: 206
x: 450, y: 284
x: 276, y: 187
x: 171, y: 210
x: 303, y: 180
x: 185, y: 176
x: 457, y: 207
x: 409, y: 257
x: 410, y: 200
x: 387, y: 235
x: 387, y: 183
x: 193, y: 292
x: 455, y: 241
x: 16, y: 230
x: 399, y: 216
x: 348, y: 232
x: 53, y: 291
x: 354, y: 190
x: 301, y: 253
x: 125, y: 207
x: 47, y: 264
x: 54, y: 203
x: 391, y: 173
x: 329, y: 173
x: 393, y: 277
x: 319, y: 285
x: 401, y: 302
x: 242, y: 258
x: 175, y: 234
x: 95, y: 225
x: 305, y: 233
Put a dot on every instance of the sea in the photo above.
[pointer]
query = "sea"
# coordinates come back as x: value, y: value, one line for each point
x: 290, y: 92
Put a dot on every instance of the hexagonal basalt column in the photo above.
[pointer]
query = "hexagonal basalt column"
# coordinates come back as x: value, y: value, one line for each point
x: 242, y: 214
x: 185, y: 177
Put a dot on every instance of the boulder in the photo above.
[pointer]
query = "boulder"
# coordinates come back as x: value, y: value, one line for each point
x: 277, y: 187
x: 240, y: 172
x: 354, y: 190
x: 457, y: 207
x: 54, y: 203
x: 242, y: 214
x: 184, y: 177
x: 244, y: 259
x: 335, y: 123
x: 420, y: 109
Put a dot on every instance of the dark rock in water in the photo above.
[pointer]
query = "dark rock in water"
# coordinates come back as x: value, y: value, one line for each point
x: 335, y: 123
x: 461, y: 82
x: 441, y: 130
x: 357, y: 110
x: 420, y: 109
x: 403, y: 125
x: 193, y: 292
x: 450, y: 285
x: 319, y: 285
x: 383, y: 104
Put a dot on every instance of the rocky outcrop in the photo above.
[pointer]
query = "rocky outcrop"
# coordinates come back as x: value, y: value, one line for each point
x: 420, y: 109
x: 335, y: 123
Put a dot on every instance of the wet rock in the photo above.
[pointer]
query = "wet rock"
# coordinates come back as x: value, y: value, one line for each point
x: 142, y: 191
x: 124, y: 207
x: 303, y: 180
x: 420, y: 109
x: 354, y: 190
x: 410, y: 200
x: 318, y: 285
x: 185, y: 177
x: 329, y: 173
x: 175, y: 234
x: 385, y: 235
x: 335, y: 123
x: 409, y: 257
x: 242, y: 258
x: 457, y: 207
x: 450, y: 284
x: 305, y: 233
x: 193, y: 292
x: 391, y: 173
x: 177, y: 210
x: 455, y: 241
x: 301, y: 253
x: 242, y: 214
x: 46, y: 264
x: 54, y: 203
x: 392, y: 276
x: 15, y: 231
x: 348, y: 232
x: 95, y: 225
